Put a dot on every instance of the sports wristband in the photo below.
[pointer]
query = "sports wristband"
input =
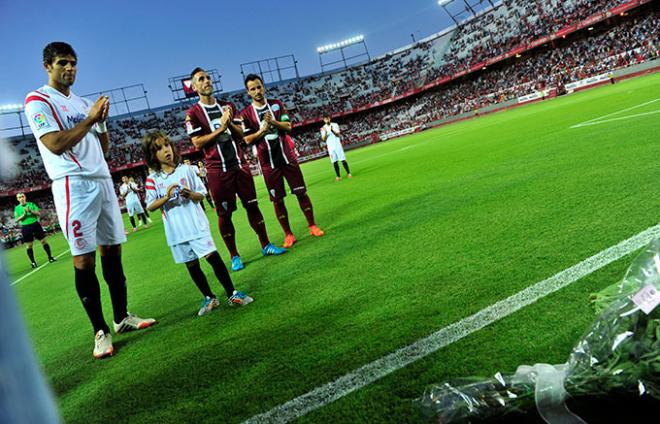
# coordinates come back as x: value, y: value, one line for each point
x: 101, y: 128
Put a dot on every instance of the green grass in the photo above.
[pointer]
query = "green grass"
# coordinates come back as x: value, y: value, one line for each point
x: 434, y: 227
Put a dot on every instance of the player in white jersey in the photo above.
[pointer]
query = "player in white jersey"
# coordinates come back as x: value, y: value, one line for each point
x: 177, y: 191
x: 202, y: 173
x: 330, y: 135
x: 72, y: 139
x: 129, y: 192
x: 131, y: 180
x: 195, y: 169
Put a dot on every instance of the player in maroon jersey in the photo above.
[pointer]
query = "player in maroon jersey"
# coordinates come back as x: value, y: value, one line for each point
x: 267, y: 125
x: 214, y: 128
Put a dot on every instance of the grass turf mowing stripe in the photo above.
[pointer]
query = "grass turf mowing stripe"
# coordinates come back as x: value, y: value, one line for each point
x: 375, y: 370
x: 35, y: 270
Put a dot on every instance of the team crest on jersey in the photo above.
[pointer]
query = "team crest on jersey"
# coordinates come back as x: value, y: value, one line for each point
x: 275, y: 107
x: 40, y: 120
x: 272, y: 192
x: 80, y: 243
x: 64, y: 108
x: 225, y: 205
x: 183, y: 182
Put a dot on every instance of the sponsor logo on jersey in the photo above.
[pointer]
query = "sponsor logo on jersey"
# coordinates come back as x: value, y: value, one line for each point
x: 40, y: 120
x: 75, y: 120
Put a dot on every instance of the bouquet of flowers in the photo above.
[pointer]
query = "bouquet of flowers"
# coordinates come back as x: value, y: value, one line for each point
x: 620, y: 353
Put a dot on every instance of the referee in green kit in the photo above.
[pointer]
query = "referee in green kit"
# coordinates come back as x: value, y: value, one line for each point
x: 27, y: 213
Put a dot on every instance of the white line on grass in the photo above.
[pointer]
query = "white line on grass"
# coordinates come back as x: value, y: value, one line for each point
x: 586, y: 124
x: 37, y: 269
x: 367, y: 374
x: 616, y: 113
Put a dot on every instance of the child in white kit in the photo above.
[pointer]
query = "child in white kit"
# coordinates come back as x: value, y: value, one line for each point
x: 176, y: 189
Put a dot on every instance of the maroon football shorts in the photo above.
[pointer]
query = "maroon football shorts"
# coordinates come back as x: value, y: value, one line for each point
x: 275, y: 177
x: 224, y: 187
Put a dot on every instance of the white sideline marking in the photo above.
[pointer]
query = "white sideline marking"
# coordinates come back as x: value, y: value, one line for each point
x: 615, y: 113
x: 37, y: 269
x: 586, y: 124
x: 367, y: 374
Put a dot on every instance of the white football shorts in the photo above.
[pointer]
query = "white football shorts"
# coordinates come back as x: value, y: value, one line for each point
x: 193, y: 249
x: 88, y: 212
x: 337, y: 154
x: 134, y: 207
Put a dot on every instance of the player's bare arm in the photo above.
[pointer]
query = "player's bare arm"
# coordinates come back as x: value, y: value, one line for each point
x: 104, y: 138
x: 236, y: 130
x: 157, y: 204
x: 202, y: 140
x: 282, y: 126
x: 265, y: 127
x: 61, y: 141
x: 192, y: 195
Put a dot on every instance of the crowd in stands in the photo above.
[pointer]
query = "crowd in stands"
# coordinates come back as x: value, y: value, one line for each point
x: 632, y: 40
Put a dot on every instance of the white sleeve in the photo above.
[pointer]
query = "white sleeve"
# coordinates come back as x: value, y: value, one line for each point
x: 151, y: 189
x: 41, y: 118
x: 152, y: 193
x: 336, y: 128
x: 122, y: 190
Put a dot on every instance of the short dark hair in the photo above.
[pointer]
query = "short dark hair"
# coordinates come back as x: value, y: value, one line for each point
x: 252, y: 77
x: 57, y: 48
x: 197, y: 69
x: 149, y: 149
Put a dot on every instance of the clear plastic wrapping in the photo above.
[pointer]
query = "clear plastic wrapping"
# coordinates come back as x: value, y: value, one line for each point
x: 620, y: 353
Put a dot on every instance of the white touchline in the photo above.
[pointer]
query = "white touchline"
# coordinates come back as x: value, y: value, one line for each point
x: 367, y: 374
x: 621, y: 118
x: 617, y: 112
x: 35, y: 270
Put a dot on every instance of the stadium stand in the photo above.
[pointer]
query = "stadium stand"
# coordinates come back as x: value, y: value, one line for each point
x: 412, y: 87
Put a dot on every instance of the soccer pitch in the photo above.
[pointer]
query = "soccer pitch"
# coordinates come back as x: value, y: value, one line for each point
x: 433, y: 228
